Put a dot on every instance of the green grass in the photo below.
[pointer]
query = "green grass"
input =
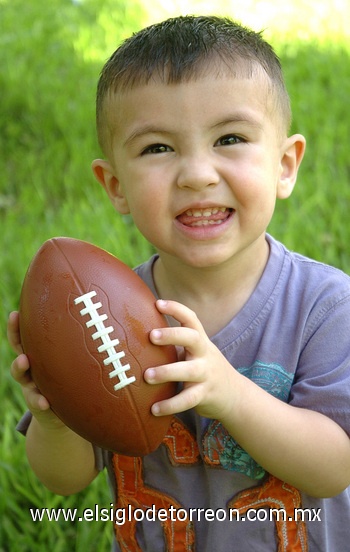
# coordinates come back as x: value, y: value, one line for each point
x: 315, y: 219
x: 47, y: 140
x: 50, y: 57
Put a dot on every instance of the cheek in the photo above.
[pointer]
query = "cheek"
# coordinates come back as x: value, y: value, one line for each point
x: 147, y: 211
x: 256, y: 197
x: 257, y: 181
x: 147, y: 192
x: 251, y: 192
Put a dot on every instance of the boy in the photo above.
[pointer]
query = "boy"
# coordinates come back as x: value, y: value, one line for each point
x: 193, y: 119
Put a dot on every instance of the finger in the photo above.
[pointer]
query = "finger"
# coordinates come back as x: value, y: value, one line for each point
x: 185, y: 400
x: 182, y: 371
x: 179, y: 336
x: 35, y: 400
x: 20, y: 369
x: 181, y: 313
x: 21, y: 373
x: 13, y: 333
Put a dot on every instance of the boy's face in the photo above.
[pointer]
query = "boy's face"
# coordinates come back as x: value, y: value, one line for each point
x: 199, y: 165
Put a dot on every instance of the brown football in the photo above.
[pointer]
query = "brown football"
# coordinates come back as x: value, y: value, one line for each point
x: 85, y: 319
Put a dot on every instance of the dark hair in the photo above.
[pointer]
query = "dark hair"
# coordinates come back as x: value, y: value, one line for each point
x: 183, y: 48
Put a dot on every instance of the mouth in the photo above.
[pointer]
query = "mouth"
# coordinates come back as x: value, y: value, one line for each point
x: 208, y: 216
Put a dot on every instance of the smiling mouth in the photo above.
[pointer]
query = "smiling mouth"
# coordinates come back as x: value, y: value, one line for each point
x: 205, y: 217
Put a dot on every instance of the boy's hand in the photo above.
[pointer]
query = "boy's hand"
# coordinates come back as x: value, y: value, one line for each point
x: 20, y: 371
x: 206, y: 375
x: 251, y: 415
x: 62, y: 460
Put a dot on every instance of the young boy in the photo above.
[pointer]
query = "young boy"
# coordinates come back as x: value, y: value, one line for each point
x: 193, y: 119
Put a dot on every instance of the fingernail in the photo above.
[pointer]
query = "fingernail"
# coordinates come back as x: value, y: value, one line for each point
x: 155, y: 409
x: 150, y: 374
x: 156, y: 334
x: 162, y: 303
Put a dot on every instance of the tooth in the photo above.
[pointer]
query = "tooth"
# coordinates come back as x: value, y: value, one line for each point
x: 206, y: 212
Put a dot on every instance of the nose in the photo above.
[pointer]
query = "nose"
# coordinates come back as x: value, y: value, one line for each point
x: 197, y: 172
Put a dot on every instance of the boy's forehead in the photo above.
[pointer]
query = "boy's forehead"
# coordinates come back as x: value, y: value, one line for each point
x: 127, y: 104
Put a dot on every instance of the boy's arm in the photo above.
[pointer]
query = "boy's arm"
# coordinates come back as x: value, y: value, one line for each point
x: 61, y: 459
x: 302, y: 447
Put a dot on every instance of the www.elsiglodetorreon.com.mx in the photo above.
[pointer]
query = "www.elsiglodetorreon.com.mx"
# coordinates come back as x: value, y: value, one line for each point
x: 123, y: 515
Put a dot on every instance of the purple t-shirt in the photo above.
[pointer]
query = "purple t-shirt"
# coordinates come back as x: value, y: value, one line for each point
x: 200, y: 490
x: 292, y: 338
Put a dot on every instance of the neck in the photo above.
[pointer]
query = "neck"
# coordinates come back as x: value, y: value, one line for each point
x: 215, y: 293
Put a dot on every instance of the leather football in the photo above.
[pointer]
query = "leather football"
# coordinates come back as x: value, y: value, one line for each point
x: 85, y: 319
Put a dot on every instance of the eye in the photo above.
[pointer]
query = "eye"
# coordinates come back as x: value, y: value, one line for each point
x: 156, y: 148
x: 229, y: 140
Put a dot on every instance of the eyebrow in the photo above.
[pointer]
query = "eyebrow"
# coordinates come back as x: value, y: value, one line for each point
x: 143, y: 131
x: 239, y: 117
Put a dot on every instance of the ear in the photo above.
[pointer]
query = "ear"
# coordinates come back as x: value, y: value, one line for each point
x: 292, y: 156
x: 104, y: 174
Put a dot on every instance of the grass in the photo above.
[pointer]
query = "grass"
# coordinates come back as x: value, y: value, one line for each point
x: 314, y: 219
x: 50, y: 56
